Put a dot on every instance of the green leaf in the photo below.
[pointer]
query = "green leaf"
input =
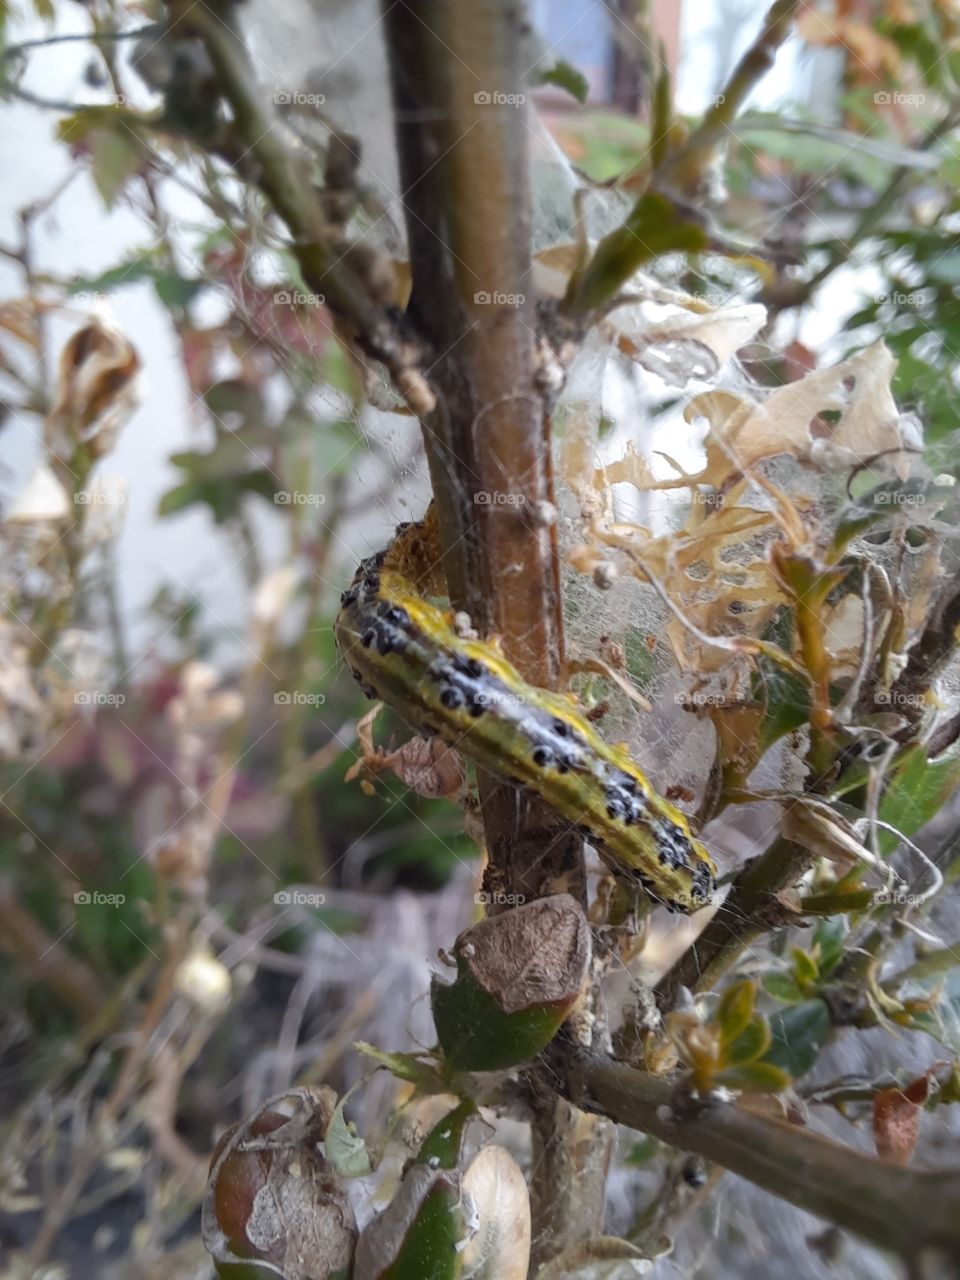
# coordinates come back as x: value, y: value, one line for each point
x: 444, y: 1143
x: 918, y: 790
x: 642, y: 1152
x: 567, y: 77
x: 344, y: 1147
x: 117, y: 156
x: 654, y: 227
x: 137, y: 268
x: 432, y: 1245
x: 754, y: 1077
x: 736, y: 1009
x: 752, y: 1043
x: 179, y: 498
x: 405, y: 1066
x: 477, y: 1035
x: 830, y: 937
x: 782, y: 987
x: 798, y: 1034
x: 787, y: 699
x: 805, y: 969
x: 176, y: 291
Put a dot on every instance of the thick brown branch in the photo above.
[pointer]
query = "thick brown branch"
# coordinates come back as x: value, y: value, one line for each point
x: 906, y: 1210
x: 458, y: 93
x: 456, y: 72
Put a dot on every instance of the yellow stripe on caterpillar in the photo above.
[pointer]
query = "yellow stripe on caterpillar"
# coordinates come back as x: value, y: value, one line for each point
x: 405, y: 650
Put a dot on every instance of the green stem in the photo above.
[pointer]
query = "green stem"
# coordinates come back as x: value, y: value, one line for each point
x: 750, y: 909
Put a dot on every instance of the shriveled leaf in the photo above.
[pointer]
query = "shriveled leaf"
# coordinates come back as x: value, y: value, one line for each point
x: 273, y: 1199
x: 427, y: 766
x: 344, y: 1147
x: 519, y: 975
x: 896, y: 1125
x: 96, y: 390
x: 500, y: 1249
x: 600, y: 1258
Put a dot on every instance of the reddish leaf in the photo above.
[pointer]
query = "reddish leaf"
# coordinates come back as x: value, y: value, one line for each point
x: 896, y: 1125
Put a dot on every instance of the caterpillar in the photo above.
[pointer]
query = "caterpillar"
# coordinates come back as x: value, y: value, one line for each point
x: 404, y: 650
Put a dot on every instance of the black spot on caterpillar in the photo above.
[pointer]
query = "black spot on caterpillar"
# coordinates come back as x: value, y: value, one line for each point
x: 404, y: 650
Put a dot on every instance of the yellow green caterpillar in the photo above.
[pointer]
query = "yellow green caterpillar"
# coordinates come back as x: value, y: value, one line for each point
x: 406, y: 651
